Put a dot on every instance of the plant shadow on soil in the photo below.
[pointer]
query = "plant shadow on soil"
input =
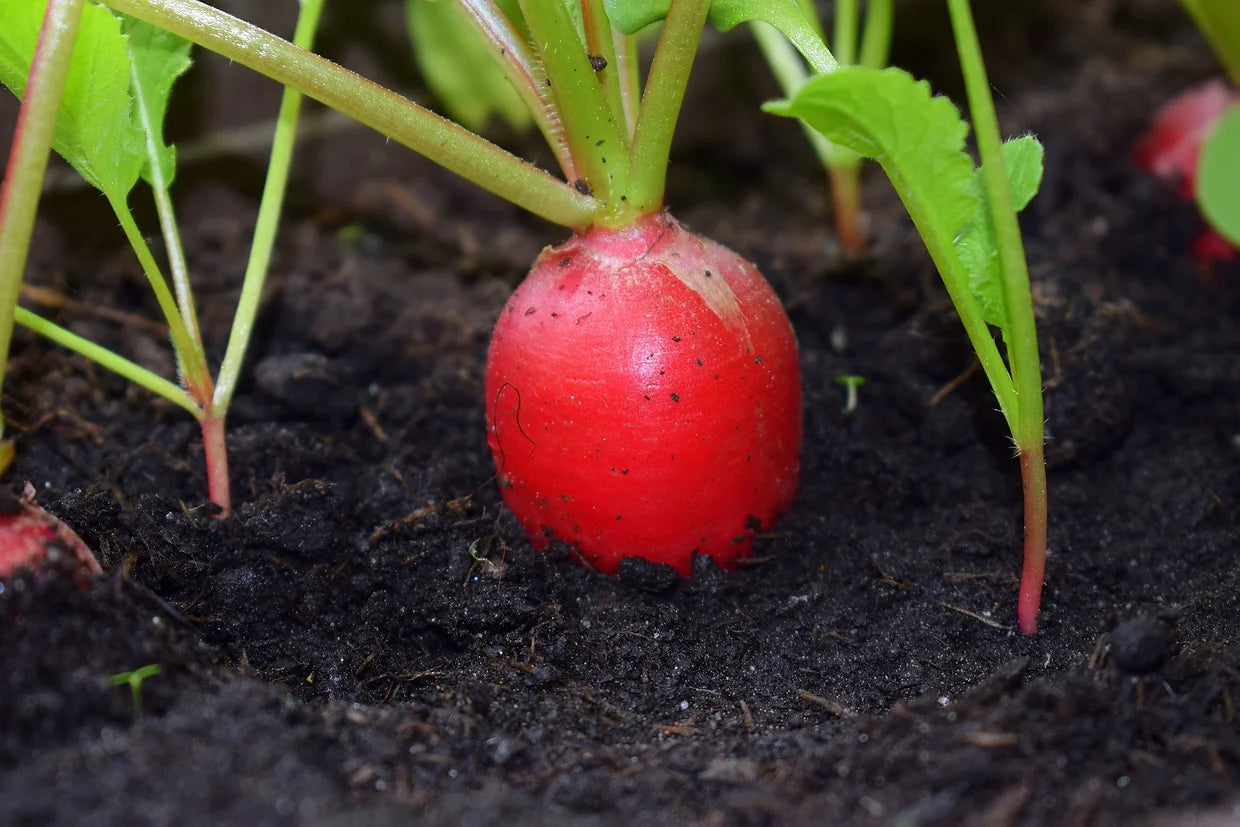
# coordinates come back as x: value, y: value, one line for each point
x: 333, y: 655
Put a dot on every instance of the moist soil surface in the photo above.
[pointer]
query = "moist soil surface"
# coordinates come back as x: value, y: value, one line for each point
x: 332, y: 653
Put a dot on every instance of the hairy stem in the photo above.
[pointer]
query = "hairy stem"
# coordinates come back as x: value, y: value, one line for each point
x: 525, y: 74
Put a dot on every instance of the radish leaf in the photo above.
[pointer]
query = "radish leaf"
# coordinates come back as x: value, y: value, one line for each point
x: 888, y: 116
x: 158, y: 58
x: 1218, y: 176
x: 95, y: 131
x: 459, y: 66
x: 785, y: 15
x: 977, y: 246
x: 919, y: 141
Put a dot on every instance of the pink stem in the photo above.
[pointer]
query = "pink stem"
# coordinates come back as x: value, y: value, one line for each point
x: 1033, y: 477
x: 215, y: 448
x: 846, y: 201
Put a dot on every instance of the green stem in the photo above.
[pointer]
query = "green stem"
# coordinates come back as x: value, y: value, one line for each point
x: 512, y: 51
x: 595, y: 139
x: 1219, y: 22
x: 191, y: 359
x: 440, y: 140
x: 601, y: 44
x: 168, y: 225
x: 842, y: 164
x: 267, y: 222
x: 140, y: 376
x: 627, y: 66
x: 32, y: 142
x: 660, y: 107
x: 1021, y: 334
x: 876, y: 41
x: 844, y: 32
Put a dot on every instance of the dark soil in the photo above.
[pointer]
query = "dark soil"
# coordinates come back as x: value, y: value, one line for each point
x: 332, y: 655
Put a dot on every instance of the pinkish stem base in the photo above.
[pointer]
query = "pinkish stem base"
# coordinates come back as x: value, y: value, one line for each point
x: 215, y: 448
x: 1033, y: 478
x: 846, y: 203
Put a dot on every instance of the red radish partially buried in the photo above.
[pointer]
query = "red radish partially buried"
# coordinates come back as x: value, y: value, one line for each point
x: 1171, y: 147
x: 29, y: 535
x: 644, y: 398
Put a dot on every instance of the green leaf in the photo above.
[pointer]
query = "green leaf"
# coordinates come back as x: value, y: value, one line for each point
x: 630, y: 16
x: 1218, y: 176
x: 95, y: 131
x: 785, y: 15
x: 157, y: 58
x: 977, y: 245
x: 458, y: 65
x: 888, y: 116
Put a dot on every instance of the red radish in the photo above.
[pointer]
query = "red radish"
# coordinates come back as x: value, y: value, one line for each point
x: 1172, y: 144
x: 644, y: 398
x: 29, y: 535
x: 1171, y: 147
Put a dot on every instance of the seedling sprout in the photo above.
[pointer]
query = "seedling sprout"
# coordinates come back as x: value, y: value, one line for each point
x: 134, y: 681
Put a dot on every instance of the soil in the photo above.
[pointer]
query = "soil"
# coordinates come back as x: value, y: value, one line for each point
x: 333, y: 655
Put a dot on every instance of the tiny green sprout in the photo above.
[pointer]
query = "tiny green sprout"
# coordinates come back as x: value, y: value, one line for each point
x: 489, y: 567
x: 851, y: 382
x: 134, y: 679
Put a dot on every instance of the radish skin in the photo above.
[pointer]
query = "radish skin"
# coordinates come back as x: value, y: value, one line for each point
x: 644, y: 398
x: 29, y: 535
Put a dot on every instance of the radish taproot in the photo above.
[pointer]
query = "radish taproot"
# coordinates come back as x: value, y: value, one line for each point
x: 644, y: 398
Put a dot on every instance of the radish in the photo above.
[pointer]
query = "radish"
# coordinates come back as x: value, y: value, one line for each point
x: 1171, y: 149
x: 644, y: 398
x: 29, y: 536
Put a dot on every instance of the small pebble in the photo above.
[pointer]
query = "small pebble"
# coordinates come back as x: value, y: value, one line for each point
x: 1141, y: 645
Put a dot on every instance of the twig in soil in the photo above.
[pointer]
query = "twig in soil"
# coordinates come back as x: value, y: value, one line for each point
x: 945, y: 391
x: 958, y: 577
x: 988, y: 621
x: 746, y: 716
x: 835, y: 708
x: 885, y: 578
x: 677, y: 729
x: 990, y: 740
x: 1006, y: 806
x: 59, y: 301
x: 372, y: 422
